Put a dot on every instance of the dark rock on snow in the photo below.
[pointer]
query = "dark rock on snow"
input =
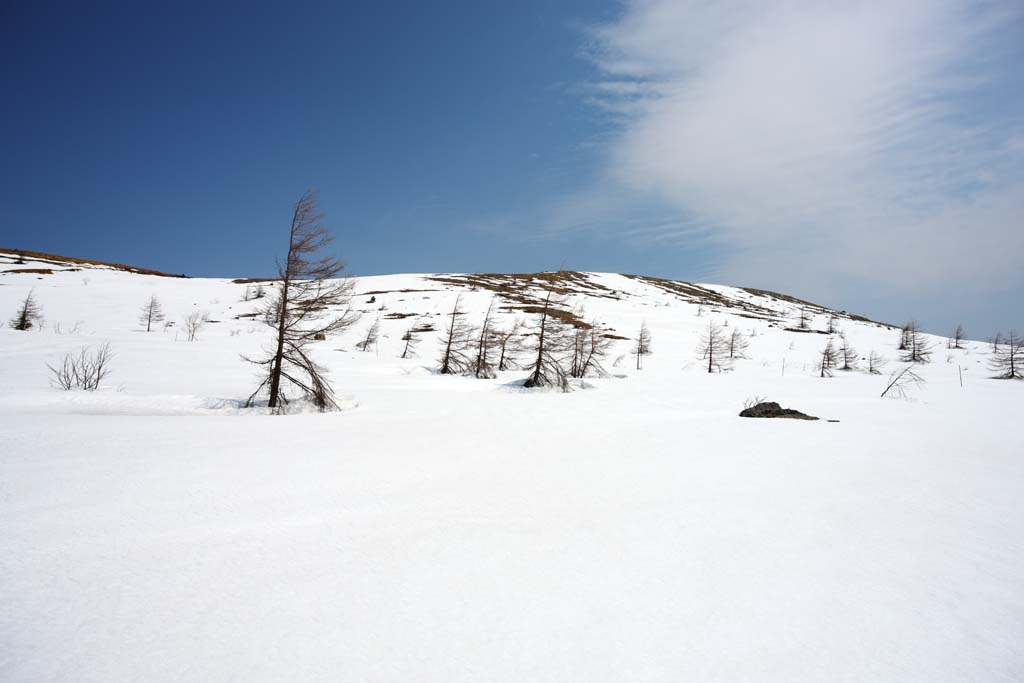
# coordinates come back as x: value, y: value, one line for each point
x: 773, y: 409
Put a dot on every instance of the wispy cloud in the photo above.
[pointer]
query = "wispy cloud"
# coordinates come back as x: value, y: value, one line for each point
x: 823, y: 144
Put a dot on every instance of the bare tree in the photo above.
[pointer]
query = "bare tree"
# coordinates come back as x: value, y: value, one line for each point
x: 1008, y: 361
x: 875, y: 363
x: 713, y: 348
x: 995, y: 342
x: 455, y: 358
x: 369, y: 341
x: 305, y: 306
x: 847, y: 354
x: 917, y: 350
x: 510, y: 345
x: 737, y: 344
x: 831, y: 324
x: 904, y: 337
x: 487, y: 344
x: 828, y: 359
x: 700, y: 307
x: 549, y: 348
x: 84, y: 370
x: 29, y: 314
x: 956, y: 341
x: 642, y: 346
x: 900, y: 382
x: 803, y: 318
x: 590, y: 346
x: 193, y: 323
x: 411, y: 340
x: 151, y: 313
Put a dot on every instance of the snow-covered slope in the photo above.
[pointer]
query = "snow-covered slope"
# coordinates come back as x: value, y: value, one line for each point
x: 447, y: 529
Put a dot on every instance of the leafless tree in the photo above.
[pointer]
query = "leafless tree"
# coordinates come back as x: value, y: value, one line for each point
x: 828, y: 359
x: 995, y: 342
x: 369, y: 341
x: 956, y: 341
x: 847, y: 354
x: 875, y: 363
x: 455, y: 356
x: 29, y: 314
x: 549, y: 347
x: 643, y: 344
x: 831, y: 324
x: 310, y: 301
x: 738, y: 344
x: 917, y: 350
x: 900, y: 382
x: 487, y: 345
x: 713, y: 348
x: 193, y: 324
x: 803, y: 320
x: 590, y: 346
x: 151, y: 313
x: 510, y: 345
x: 700, y: 307
x: 84, y: 370
x: 1008, y: 361
x: 411, y: 340
x: 904, y: 337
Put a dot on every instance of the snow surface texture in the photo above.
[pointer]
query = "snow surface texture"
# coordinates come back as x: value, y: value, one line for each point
x: 451, y: 529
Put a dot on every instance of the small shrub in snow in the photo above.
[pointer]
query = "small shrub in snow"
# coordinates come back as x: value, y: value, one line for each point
x: 83, y: 370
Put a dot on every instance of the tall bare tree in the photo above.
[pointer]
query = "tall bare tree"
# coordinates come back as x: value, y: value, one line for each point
x: 875, y: 363
x: 1008, y: 361
x: 803, y: 318
x: 590, y: 346
x: 713, y: 348
x: 487, y: 344
x: 311, y: 301
x: 643, y: 344
x: 151, y: 313
x: 510, y: 345
x: 549, y: 347
x: 411, y: 340
x: 904, y: 337
x: 369, y: 341
x: 738, y: 344
x: 29, y: 314
x: 828, y: 359
x: 957, y: 340
x: 455, y: 355
x: 917, y: 350
x: 847, y: 354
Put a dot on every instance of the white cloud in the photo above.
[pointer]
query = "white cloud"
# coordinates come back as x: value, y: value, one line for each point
x: 828, y: 144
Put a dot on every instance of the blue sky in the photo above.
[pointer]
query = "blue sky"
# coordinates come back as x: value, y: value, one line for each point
x: 862, y: 155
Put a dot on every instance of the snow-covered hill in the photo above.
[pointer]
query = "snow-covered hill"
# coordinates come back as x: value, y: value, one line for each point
x: 446, y: 528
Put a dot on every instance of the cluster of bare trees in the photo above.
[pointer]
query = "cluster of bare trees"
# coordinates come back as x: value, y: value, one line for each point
x: 310, y: 302
x: 557, y: 349
x: 83, y: 370
x: 29, y: 315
